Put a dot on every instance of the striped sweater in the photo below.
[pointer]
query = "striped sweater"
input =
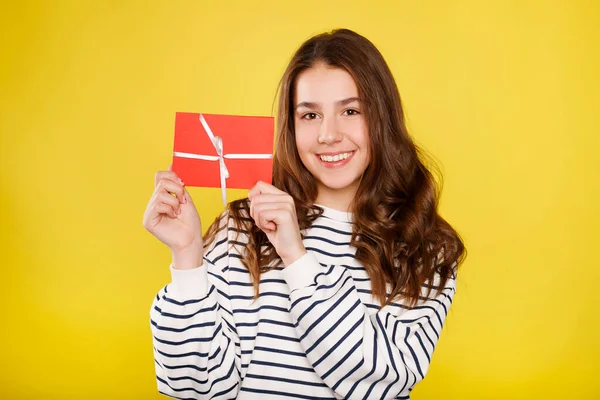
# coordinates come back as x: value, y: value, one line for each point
x: 315, y: 331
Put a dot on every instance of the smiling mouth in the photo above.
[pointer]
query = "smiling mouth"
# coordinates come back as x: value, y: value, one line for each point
x: 332, y: 158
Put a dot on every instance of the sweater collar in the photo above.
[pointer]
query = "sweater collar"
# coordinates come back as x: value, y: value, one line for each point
x: 336, y: 215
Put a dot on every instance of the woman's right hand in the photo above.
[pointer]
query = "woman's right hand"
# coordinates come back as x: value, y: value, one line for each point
x: 172, y: 217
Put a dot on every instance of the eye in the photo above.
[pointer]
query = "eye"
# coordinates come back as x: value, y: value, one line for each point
x: 309, y: 116
x: 351, y: 111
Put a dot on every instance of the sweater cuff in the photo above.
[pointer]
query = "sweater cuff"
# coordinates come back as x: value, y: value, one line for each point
x: 190, y: 283
x: 302, y: 272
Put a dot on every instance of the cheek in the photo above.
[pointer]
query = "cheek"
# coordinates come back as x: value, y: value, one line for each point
x: 304, y: 139
x: 357, y: 132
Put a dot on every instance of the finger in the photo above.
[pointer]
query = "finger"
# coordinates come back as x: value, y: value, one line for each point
x: 270, y: 219
x: 264, y: 224
x: 186, y: 196
x: 167, y: 175
x: 165, y: 209
x: 168, y: 199
x: 263, y: 187
x: 169, y: 186
x: 257, y: 200
x: 261, y: 210
x: 273, y: 198
x: 283, y: 201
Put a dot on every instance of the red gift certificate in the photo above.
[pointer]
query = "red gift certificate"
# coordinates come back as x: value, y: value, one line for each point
x: 212, y: 150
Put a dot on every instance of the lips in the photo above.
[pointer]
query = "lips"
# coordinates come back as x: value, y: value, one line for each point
x: 335, y: 157
x: 335, y: 160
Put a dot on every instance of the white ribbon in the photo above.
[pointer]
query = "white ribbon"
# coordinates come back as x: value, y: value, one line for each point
x: 217, y: 142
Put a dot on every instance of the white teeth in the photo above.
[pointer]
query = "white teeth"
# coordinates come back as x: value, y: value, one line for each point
x: 337, y: 157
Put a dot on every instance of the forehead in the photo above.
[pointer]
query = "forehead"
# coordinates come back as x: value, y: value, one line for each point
x: 324, y: 84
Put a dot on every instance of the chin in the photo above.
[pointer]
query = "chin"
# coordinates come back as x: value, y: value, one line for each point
x: 339, y: 184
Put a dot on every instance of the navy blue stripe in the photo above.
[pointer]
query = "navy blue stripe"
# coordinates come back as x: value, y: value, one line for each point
x: 219, y: 277
x: 262, y: 281
x: 317, y: 250
x: 193, y: 353
x: 258, y: 309
x: 343, y: 379
x: 265, y: 321
x: 353, y: 388
x: 387, y: 370
x: 222, y: 293
x: 426, y: 316
x: 339, y: 342
x: 191, y: 340
x: 343, y: 276
x: 230, y: 229
x: 261, y: 294
x: 187, y: 316
x: 217, y: 259
x: 181, y: 366
x: 349, y: 267
x: 179, y: 330
x: 278, y: 365
x: 409, y: 372
x: 327, y: 228
x: 185, y: 303
x: 333, y: 328
x: 437, y: 334
x: 190, y: 354
x: 229, y: 326
x: 215, y: 246
x: 293, y: 381
x: 198, y: 391
x: 329, y: 310
x: 426, y: 335
x: 323, y: 239
x: 181, y: 378
x: 239, y: 270
x: 273, y: 336
x: 422, y: 346
x: 176, y: 397
x: 343, y: 359
x: 382, y: 330
x: 412, y: 352
x: 223, y: 392
x: 280, y: 351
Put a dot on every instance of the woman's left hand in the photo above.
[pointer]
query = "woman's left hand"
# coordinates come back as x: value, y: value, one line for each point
x: 274, y: 212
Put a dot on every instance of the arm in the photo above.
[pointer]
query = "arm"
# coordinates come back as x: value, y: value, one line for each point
x: 360, y: 355
x: 193, y: 332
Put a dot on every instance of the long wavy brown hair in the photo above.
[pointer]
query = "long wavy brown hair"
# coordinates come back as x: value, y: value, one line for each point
x: 399, y: 236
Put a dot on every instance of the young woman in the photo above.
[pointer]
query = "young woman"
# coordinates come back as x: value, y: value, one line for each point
x: 335, y: 281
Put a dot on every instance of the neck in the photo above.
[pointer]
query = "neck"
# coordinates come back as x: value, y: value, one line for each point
x: 337, y: 199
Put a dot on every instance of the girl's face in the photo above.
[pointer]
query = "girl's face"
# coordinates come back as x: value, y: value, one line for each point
x: 331, y: 132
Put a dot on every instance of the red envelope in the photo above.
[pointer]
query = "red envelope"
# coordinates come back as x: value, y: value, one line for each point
x: 247, y: 149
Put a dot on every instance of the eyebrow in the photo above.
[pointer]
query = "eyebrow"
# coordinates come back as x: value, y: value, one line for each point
x: 340, y: 103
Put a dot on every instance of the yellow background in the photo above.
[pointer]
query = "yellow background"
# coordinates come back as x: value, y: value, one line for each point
x: 504, y: 93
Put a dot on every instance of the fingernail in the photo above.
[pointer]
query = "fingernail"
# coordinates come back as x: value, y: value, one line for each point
x: 181, y: 182
x: 184, y: 199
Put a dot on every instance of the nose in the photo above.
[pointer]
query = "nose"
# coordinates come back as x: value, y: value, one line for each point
x: 329, y: 132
